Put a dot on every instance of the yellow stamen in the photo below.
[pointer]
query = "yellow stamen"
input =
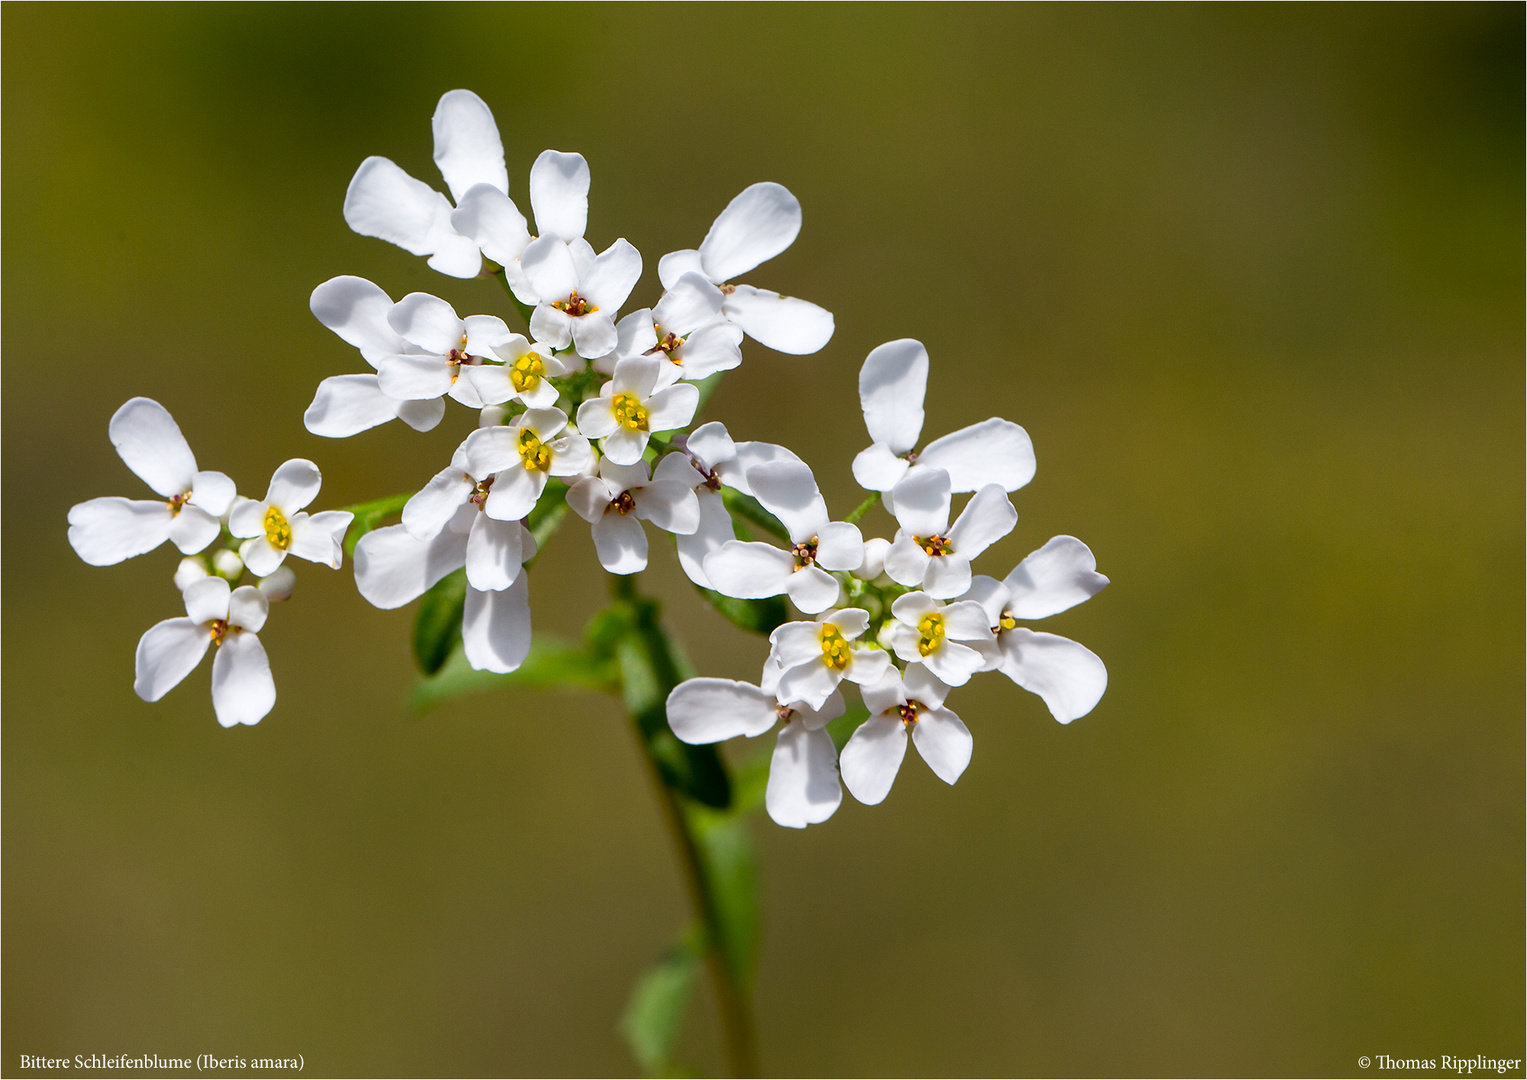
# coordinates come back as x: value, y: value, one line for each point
x: 930, y: 631
x: 527, y: 372
x: 629, y: 412
x: 622, y: 503
x: 836, y: 652
x: 1007, y: 622
x: 934, y: 545
x: 574, y: 305
x: 219, y: 630
x: 535, y: 454
x: 277, y: 529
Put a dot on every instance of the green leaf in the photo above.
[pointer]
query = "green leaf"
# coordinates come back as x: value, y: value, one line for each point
x: 758, y: 616
x: 750, y: 509
x: 553, y: 664
x: 845, y: 725
x: 370, y: 515
x: 655, y: 1013
x: 731, y: 873
x: 437, y: 627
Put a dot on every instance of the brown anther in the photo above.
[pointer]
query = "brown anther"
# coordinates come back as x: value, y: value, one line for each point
x: 784, y: 712
x: 805, y: 552
x: 712, y: 481
x: 574, y: 305
x: 480, y: 492
x: 908, y: 713
x: 727, y: 290
x: 219, y: 630
x: 622, y: 503
x: 177, y: 501
x: 934, y: 545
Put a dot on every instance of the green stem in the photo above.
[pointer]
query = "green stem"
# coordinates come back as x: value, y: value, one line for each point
x: 863, y: 508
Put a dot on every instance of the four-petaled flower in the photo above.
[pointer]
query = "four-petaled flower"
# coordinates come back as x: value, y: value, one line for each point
x: 928, y: 552
x: 109, y: 529
x: 444, y: 348
x: 815, y: 656
x: 242, y: 689
x: 495, y: 550
x: 622, y: 496
x: 279, y: 526
x: 949, y: 640
x: 685, y: 328
x: 872, y: 757
x: 631, y: 407
x: 522, y: 456
x: 579, y: 294
x: 525, y: 374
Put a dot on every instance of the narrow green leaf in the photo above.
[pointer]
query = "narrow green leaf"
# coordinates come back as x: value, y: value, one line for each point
x: 370, y: 515
x: 553, y: 664
x: 437, y: 626
x: 655, y: 1014
x: 731, y: 872
x: 758, y: 616
x: 745, y: 506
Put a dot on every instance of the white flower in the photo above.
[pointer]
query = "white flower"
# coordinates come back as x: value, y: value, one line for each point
x: 932, y: 634
x: 521, y: 456
x: 803, y: 784
x: 579, y: 295
x: 385, y: 202
x: 278, y: 526
x: 613, y: 501
x: 278, y: 586
x: 685, y: 328
x: 630, y: 407
x: 815, y: 656
x: 559, y: 196
x: 875, y: 549
x: 1068, y: 676
x: 441, y: 345
x: 107, y: 530
x: 242, y: 689
x: 755, y: 226
x: 750, y: 570
x: 494, y: 550
x: 345, y: 405
x: 393, y: 567
x: 892, y: 383
x: 525, y: 375
x: 874, y: 752
x: 927, y: 552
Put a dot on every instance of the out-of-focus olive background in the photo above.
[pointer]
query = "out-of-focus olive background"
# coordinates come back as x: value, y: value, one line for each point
x: 1251, y: 277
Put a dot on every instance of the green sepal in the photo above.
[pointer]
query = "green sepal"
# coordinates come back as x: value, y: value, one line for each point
x: 553, y: 664
x: 437, y: 627
x: 654, y: 1015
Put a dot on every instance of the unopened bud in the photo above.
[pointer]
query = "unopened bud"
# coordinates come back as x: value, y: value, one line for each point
x: 191, y: 569
x: 228, y: 565
x: 874, y: 558
x: 279, y: 585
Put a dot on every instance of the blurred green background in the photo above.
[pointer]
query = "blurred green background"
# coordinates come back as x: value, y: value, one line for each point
x: 1251, y: 277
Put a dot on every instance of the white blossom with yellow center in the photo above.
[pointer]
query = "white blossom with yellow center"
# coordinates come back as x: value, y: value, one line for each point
x: 631, y: 407
x: 949, y: 640
x: 522, y: 456
x: 443, y: 349
x: 494, y: 550
x: 579, y: 296
x: 814, y: 657
x: 278, y: 526
x: 524, y: 376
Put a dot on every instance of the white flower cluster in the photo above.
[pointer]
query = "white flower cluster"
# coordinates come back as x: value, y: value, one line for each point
x: 903, y: 619
x: 598, y: 405
x: 194, y: 510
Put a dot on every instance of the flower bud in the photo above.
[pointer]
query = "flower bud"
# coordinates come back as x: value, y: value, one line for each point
x: 227, y: 564
x: 279, y: 585
x: 874, y: 558
x: 191, y: 569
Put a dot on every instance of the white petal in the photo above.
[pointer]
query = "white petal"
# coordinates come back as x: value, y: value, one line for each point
x: 987, y: 518
x: 715, y: 529
x: 954, y: 663
x: 816, y: 719
x: 892, y: 383
x: 213, y: 492
x: 884, y: 694
x: 494, y: 553
x: 704, y: 711
x: 1058, y: 576
x: 851, y: 622
x: 548, y: 266
x: 905, y: 562
x: 572, y: 455
x: 713, y: 348
x: 294, y: 485
x: 551, y: 327
x: 620, y: 543
x: 167, y: 653
x: 436, y: 503
x: 994, y: 451
x: 494, y: 223
x: 783, y: 323
x: 348, y: 404
x: 487, y: 333
x: 392, y: 568
x: 428, y: 322
x: 1069, y: 677
x: 749, y: 571
x: 614, y: 274
x: 356, y: 310
x: 747, y: 455
x: 190, y: 570
x: 589, y: 498
x: 944, y: 742
x: 812, y: 682
x: 514, y: 494
x: 991, y: 594
x: 812, y: 589
x: 260, y: 556
x: 966, y: 621
x: 414, y: 377
x: 491, y: 449
x: 674, y: 265
x: 920, y: 684
x: 193, y: 529
x: 876, y: 468
x: 922, y: 502
x: 755, y: 226
x: 559, y: 194
x: 385, y: 202
x: 455, y: 254
x: 875, y: 549
x: 248, y: 608
x: 279, y: 585
x: 596, y: 418
x: 669, y: 505
x: 840, y: 546
x: 673, y: 408
x: 207, y: 600
x: 711, y: 444
x: 796, y: 643
x: 691, y: 303
x: 912, y: 606
x: 677, y: 468
x: 867, y: 666
x: 150, y: 443
x: 803, y: 784
x: 624, y: 446
x: 242, y: 688
x: 495, y: 628
x: 947, y: 576
x: 468, y: 150
x: 594, y: 334
x: 789, y: 491
x: 106, y: 531
x: 321, y: 537
x: 872, y: 758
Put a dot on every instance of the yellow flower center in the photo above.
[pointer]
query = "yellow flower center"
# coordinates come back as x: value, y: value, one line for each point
x: 533, y: 452
x: 930, y: 633
x: 277, y: 529
x: 934, y: 545
x: 574, y: 305
x: 1007, y: 622
x: 835, y: 650
x: 629, y: 412
x: 527, y: 372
